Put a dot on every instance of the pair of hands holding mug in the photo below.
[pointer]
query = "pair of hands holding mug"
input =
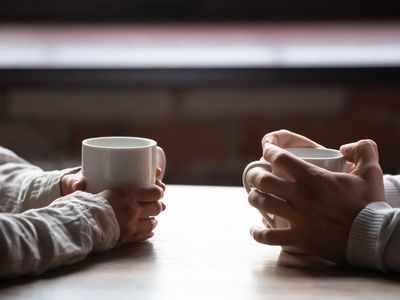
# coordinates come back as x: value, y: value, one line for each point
x: 320, y: 205
x: 134, y: 208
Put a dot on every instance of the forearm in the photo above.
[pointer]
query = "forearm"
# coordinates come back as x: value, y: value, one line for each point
x: 63, y: 233
x: 374, y: 240
x: 24, y: 186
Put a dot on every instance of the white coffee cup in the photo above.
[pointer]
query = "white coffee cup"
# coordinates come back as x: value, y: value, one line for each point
x: 114, y: 161
x: 329, y: 159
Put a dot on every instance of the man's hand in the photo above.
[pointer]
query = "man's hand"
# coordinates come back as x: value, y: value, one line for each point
x: 287, y: 139
x: 320, y: 205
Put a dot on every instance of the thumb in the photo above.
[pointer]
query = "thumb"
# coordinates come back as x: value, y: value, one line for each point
x: 71, y: 183
x: 78, y: 183
x: 363, y: 154
x: 159, y: 173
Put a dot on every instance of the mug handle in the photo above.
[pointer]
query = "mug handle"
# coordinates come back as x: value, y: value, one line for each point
x: 161, y: 161
x: 256, y: 164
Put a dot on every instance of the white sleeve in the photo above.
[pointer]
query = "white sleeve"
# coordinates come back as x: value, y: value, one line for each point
x: 62, y: 233
x: 374, y: 239
x: 24, y: 186
x: 392, y: 189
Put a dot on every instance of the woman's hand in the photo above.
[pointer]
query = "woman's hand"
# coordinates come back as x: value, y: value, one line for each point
x: 71, y: 183
x: 135, y: 209
x: 76, y: 182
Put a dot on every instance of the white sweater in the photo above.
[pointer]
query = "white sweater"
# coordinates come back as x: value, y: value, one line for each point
x: 40, y: 229
x: 374, y: 240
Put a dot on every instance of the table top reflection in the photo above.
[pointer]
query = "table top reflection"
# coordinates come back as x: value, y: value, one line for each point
x: 202, y: 249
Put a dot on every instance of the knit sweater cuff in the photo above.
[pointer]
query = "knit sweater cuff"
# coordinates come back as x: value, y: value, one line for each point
x: 391, y: 190
x: 364, y: 245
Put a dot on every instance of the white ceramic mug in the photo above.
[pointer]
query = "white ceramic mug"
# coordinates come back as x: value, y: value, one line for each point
x: 114, y: 161
x: 329, y: 159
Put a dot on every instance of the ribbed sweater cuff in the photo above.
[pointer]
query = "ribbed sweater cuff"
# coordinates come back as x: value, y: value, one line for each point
x: 391, y: 190
x: 364, y: 246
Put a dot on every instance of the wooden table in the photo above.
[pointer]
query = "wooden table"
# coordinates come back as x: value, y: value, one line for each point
x: 202, y: 250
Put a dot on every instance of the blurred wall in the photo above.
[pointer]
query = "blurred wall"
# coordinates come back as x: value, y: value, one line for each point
x: 209, y: 135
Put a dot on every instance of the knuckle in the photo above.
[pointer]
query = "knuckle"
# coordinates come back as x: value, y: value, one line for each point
x: 252, y: 198
x: 282, y: 158
x: 275, y: 135
x: 283, y: 132
x: 269, y: 237
x: 372, y: 143
x: 158, y: 192
x: 258, y: 200
x: 158, y: 209
x: 154, y: 223
x: 365, y: 144
x: 264, y: 181
x: 265, y: 138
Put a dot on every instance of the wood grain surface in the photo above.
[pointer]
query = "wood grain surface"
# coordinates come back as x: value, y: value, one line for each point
x: 202, y: 250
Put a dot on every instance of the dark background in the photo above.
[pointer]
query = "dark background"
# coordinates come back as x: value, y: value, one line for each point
x: 204, y: 10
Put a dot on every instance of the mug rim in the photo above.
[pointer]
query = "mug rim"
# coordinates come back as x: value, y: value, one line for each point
x: 86, y: 142
x: 337, y: 153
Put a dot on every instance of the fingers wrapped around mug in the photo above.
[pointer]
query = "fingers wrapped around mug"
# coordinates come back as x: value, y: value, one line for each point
x: 287, y: 165
x: 278, y: 236
x: 268, y: 183
x: 159, y: 174
x: 148, y: 194
x: 269, y: 204
x: 143, y: 230
x: 150, y: 209
x: 134, y: 210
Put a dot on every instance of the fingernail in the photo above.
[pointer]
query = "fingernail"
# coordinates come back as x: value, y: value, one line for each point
x: 163, y: 206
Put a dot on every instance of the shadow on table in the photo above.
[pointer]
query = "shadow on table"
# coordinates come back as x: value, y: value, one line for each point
x: 312, y: 266
x: 139, y: 251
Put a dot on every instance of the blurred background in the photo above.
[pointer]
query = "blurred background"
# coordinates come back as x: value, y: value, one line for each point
x: 206, y: 79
